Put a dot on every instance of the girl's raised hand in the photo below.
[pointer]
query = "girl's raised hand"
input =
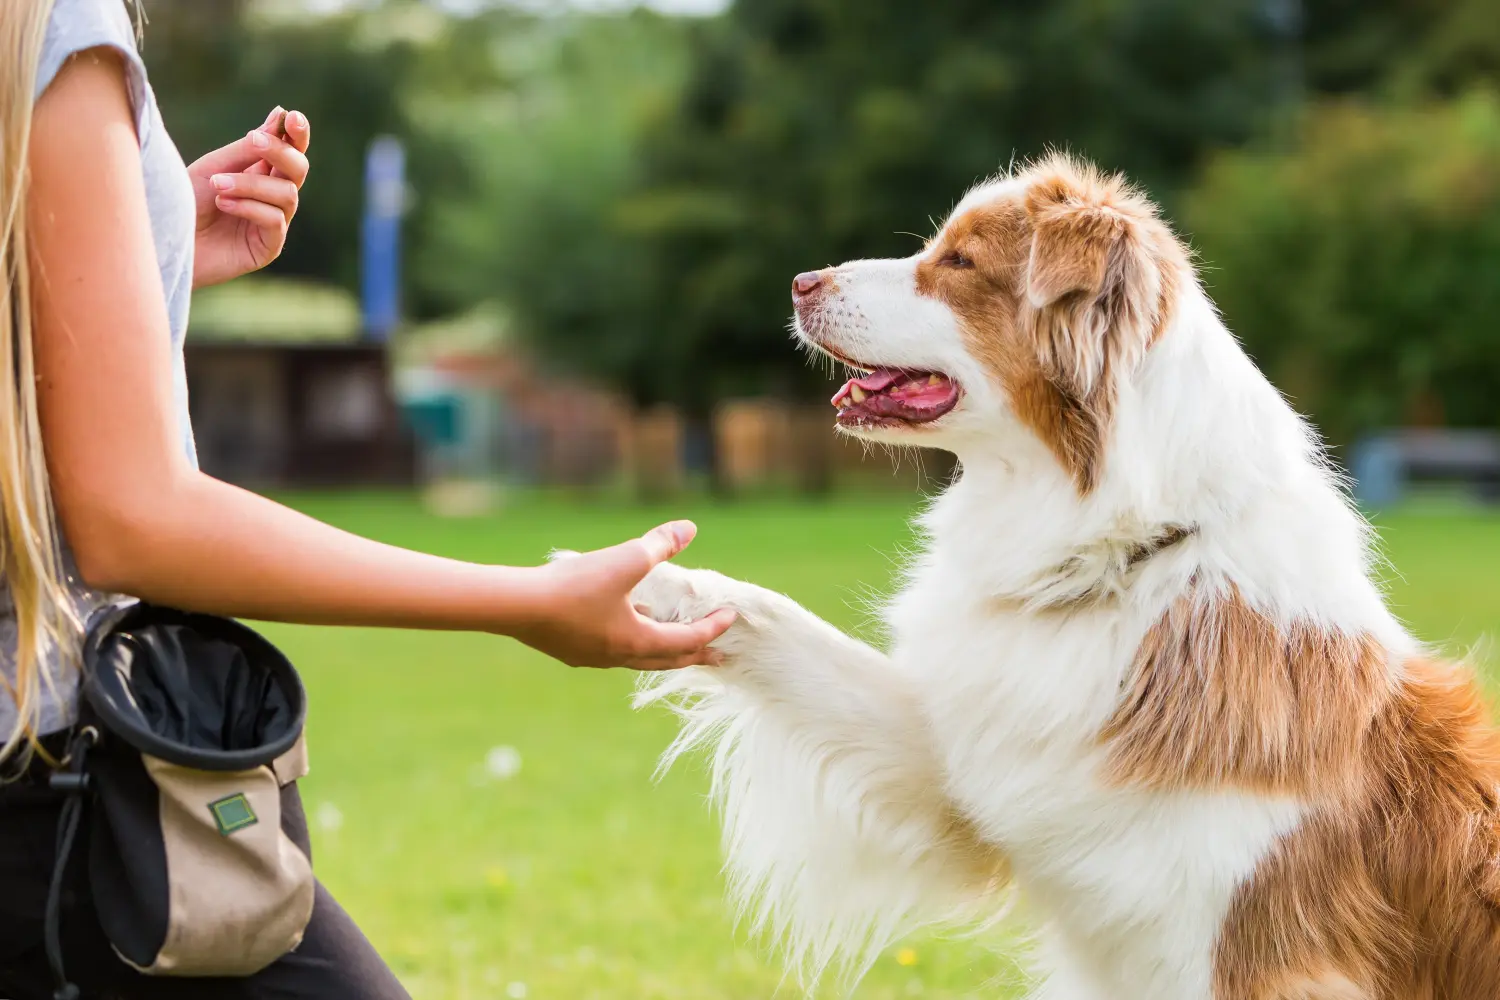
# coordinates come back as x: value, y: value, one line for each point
x: 246, y: 194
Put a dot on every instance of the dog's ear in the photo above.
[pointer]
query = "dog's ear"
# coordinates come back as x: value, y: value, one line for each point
x: 1093, y: 286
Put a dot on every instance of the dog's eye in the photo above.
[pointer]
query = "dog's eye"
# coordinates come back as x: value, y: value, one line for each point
x: 955, y: 259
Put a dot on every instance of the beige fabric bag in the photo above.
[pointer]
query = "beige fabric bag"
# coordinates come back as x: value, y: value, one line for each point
x: 191, y: 739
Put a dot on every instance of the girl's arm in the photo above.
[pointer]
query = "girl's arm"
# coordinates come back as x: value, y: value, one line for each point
x: 142, y: 521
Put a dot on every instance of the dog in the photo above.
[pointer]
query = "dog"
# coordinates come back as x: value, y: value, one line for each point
x: 1140, y: 676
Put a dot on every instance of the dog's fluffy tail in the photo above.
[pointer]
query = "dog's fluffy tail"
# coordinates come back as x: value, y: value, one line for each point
x: 838, y: 835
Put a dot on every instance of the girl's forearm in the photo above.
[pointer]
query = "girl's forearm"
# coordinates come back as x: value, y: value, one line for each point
x: 204, y: 545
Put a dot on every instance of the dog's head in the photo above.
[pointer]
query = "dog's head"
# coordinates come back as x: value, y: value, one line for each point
x: 1036, y: 298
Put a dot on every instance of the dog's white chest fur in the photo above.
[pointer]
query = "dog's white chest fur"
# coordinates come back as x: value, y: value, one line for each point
x: 1129, y: 887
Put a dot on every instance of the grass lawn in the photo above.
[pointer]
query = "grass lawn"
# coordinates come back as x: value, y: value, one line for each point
x: 577, y: 877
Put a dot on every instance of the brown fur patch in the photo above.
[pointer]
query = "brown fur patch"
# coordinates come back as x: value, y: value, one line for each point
x: 1393, y: 887
x: 1069, y: 283
x: 1388, y: 889
x: 1219, y: 694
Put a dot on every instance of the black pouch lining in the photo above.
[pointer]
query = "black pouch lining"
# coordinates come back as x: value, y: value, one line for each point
x: 198, y: 691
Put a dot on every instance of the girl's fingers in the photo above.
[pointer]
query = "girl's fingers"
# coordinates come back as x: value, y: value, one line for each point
x: 298, y: 130
x: 657, y: 545
x: 264, y: 148
x: 670, y: 639
x: 284, y: 158
x: 267, y: 218
x: 275, y: 125
x: 702, y: 658
x: 278, y: 191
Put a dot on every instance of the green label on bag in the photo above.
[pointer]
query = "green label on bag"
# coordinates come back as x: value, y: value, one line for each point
x: 233, y: 813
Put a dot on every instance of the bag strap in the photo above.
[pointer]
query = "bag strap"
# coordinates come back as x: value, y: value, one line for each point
x: 72, y: 781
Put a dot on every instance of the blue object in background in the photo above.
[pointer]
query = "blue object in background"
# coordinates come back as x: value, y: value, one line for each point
x: 1378, y: 470
x: 380, y: 250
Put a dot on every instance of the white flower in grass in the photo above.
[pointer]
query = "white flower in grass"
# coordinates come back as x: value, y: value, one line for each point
x: 328, y: 817
x: 516, y: 990
x: 502, y: 763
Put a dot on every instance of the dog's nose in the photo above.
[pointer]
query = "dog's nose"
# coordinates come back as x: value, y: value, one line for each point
x: 806, y: 284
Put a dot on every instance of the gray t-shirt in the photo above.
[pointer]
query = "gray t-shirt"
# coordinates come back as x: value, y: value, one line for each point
x: 77, y: 25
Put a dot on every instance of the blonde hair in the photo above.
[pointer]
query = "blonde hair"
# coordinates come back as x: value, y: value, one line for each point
x: 30, y: 552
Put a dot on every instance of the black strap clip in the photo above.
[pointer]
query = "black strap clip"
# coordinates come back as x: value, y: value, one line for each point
x: 74, y: 782
x: 68, y: 782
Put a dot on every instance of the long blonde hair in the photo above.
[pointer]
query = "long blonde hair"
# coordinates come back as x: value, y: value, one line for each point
x: 30, y: 552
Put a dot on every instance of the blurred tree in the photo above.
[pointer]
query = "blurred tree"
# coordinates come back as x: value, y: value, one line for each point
x: 1350, y: 46
x: 1360, y: 269
x: 193, y: 16
x: 1460, y: 50
x: 548, y: 155
x: 1392, y: 48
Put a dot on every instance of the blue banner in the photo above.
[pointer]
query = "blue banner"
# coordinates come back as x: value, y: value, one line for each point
x: 380, y: 250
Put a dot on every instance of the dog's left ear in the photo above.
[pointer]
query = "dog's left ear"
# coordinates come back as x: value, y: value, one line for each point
x: 1093, y: 285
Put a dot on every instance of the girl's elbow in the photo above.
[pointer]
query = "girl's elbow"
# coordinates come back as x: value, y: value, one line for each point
x: 107, y: 544
x: 102, y: 564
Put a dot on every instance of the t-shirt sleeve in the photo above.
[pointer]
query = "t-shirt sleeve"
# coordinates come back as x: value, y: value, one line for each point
x: 77, y: 25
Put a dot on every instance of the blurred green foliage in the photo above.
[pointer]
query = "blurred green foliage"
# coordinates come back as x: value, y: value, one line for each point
x: 1361, y: 270
x: 634, y: 191
x: 550, y: 158
x: 1356, y: 256
x: 808, y: 132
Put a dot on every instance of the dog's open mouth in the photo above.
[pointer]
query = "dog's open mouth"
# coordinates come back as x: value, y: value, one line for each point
x: 891, y: 397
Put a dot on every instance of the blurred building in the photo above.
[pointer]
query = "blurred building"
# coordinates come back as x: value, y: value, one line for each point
x: 284, y: 394
x: 277, y: 415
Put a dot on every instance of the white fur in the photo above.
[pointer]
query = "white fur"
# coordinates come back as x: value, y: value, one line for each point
x: 840, y: 769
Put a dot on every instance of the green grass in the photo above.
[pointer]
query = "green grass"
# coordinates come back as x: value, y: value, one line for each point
x: 578, y: 877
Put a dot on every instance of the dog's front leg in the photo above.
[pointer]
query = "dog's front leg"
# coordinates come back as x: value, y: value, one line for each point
x: 839, y: 834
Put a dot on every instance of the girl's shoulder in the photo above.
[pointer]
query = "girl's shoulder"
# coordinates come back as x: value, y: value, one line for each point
x: 78, y: 25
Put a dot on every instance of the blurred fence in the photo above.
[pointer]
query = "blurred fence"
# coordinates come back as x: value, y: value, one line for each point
x: 495, y: 417
x: 298, y: 415
x: 269, y: 415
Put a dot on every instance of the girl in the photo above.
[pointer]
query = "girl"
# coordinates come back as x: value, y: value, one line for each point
x: 103, y: 235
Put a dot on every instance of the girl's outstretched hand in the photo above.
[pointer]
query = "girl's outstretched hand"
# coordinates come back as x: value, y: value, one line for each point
x: 246, y: 194
x: 582, y: 613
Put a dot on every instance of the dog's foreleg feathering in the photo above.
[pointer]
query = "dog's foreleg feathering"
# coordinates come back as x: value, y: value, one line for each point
x: 838, y: 833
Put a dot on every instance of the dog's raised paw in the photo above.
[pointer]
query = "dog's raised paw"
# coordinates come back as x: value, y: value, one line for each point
x: 669, y: 593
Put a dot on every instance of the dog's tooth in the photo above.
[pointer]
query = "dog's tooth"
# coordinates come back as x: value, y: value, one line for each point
x: 934, y: 380
x: 857, y: 394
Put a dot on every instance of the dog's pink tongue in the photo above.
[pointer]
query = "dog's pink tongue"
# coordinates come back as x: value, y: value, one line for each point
x: 877, y: 381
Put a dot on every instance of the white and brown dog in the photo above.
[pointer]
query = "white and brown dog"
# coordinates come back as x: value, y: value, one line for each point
x: 1141, y: 671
